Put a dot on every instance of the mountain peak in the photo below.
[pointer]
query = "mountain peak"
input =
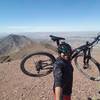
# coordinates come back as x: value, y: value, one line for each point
x: 13, y: 43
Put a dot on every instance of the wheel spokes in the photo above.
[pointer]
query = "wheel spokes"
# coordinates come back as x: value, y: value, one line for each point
x: 39, y: 65
x: 90, y: 69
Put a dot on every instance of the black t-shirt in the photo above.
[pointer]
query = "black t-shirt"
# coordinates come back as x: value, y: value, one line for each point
x: 63, y: 75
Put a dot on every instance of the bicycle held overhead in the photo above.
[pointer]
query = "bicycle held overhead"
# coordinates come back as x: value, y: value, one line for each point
x: 42, y: 61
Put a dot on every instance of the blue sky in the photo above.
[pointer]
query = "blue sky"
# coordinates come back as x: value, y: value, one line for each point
x: 49, y: 15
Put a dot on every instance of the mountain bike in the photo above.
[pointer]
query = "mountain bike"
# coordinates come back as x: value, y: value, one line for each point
x: 40, y: 63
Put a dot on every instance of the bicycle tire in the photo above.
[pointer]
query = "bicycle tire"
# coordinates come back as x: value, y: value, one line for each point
x: 83, y: 71
x: 45, y: 54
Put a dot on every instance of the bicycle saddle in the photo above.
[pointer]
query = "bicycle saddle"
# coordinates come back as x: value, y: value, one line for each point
x: 55, y: 38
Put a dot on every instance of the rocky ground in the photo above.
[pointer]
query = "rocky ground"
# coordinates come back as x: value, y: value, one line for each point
x: 14, y: 85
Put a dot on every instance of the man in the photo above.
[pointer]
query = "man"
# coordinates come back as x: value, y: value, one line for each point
x: 63, y: 73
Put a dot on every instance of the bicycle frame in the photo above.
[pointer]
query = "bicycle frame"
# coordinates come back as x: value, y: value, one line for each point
x: 86, y: 52
x: 85, y: 49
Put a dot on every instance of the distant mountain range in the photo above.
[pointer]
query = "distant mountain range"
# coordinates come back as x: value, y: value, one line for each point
x: 45, y: 35
x: 13, y: 43
x: 16, y: 46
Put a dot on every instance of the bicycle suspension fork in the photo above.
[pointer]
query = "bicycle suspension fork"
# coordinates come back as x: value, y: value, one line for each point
x: 87, y: 56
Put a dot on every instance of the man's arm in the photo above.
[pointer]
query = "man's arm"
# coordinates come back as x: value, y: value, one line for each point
x: 57, y: 71
x: 58, y: 93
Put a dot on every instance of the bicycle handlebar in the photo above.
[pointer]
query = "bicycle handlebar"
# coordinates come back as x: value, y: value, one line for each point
x: 96, y: 40
x: 98, y: 37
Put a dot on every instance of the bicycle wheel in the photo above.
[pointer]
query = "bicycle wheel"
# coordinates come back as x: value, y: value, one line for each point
x: 37, y: 64
x: 90, y: 70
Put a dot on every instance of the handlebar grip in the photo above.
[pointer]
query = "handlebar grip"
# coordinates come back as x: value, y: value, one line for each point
x: 98, y: 37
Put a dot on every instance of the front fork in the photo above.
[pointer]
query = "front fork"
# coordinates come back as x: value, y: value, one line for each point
x: 87, y: 56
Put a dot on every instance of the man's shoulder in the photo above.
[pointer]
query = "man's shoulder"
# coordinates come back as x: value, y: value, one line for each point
x: 59, y: 61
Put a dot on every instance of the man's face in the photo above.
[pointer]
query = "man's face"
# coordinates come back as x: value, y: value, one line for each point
x: 64, y: 56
